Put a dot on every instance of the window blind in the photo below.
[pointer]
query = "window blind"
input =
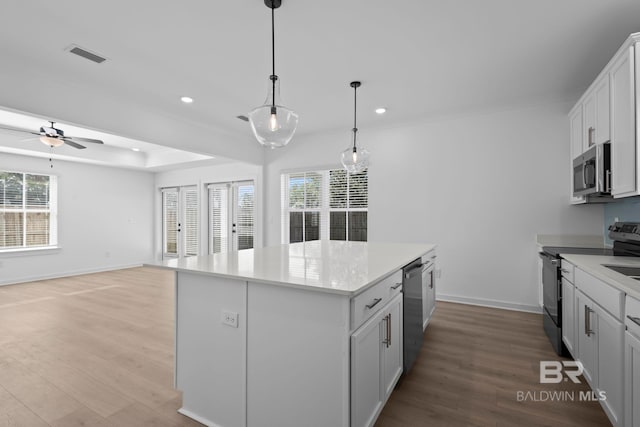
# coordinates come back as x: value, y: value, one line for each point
x: 245, y: 215
x: 28, y: 210
x: 170, y: 221
x: 190, y: 226
x: 218, y: 218
x: 328, y: 204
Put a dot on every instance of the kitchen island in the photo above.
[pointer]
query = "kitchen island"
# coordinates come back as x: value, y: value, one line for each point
x: 305, y: 334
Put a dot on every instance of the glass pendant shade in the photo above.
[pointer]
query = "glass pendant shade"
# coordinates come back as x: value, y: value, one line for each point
x: 51, y: 142
x: 273, y: 124
x: 355, y: 159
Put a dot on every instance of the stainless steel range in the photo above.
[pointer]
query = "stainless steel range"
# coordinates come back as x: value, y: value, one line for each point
x: 626, y: 237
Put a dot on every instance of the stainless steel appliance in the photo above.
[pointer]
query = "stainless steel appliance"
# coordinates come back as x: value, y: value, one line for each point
x: 592, y: 173
x: 412, y: 312
x: 552, y: 290
x: 626, y: 242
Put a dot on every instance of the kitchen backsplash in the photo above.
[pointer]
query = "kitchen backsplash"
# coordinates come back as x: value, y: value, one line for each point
x: 625, y: 210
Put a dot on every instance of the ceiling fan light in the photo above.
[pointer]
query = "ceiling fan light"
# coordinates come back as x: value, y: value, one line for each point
x: 51, y: 142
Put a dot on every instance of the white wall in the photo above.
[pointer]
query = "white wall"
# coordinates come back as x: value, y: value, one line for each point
x: 479, y: 186
x: 201, y: 177
x: 105, y: 220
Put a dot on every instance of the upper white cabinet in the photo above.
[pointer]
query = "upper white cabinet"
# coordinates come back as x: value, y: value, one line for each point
x: 624, y: 142
x: 610, y: 111
x: 577, y: 146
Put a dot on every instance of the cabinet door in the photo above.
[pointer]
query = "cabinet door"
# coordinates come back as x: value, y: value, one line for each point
x: 589, y: 129
x: 632, y: 384
x: 576, y: 139
x: 623, y: 135
x: 610, y: 338
x: 603, y: 111
x: 586, y: 338
x: 366, y: 371
x: 392, y: 345
x: 568, y: 315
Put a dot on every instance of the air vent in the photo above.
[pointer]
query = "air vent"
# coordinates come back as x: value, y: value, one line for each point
x: 86, y: 54
x: 243, y: 118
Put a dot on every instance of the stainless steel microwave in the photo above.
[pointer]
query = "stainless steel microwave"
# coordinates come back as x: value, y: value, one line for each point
x: 592, y: 172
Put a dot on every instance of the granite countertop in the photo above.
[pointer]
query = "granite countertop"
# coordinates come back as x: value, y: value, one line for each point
x: 571, y: 240
x: 594, y: 265
x: 346, y: 268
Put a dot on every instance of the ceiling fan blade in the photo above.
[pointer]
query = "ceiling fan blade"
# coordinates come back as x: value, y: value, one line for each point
x: 77, y: 138
x: 15, y: 129
x: 73, y: 144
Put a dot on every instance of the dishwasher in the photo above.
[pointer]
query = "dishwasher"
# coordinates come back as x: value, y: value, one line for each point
x: 412, y: 312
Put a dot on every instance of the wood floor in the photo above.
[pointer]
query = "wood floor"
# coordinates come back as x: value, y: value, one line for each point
x: 97, y: 350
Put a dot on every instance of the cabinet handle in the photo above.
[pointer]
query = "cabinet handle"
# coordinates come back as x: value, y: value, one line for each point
x: 564, y: 270
x: 587, y: 321
x: 389, y: 331
x: 592, y: 132
x: 397, y: 285
x: 385, y: 341
x: 635, y: 320
x: 373, y: 304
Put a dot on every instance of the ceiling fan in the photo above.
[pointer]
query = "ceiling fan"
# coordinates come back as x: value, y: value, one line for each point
x: 53, y: 137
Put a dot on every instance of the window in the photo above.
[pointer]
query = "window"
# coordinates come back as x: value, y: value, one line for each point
x: 180, y: 229
x: 330, y: 204
x: 28, y: 214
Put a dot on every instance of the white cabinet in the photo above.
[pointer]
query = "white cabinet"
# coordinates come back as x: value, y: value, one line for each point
x: 632, y: 363
x: 568, y: 315
x: 632, y: 386
x: 599, y: 338
x: 376, y: 362
x: 623, y: 130
x: 577, y: 146
x: 596, y: 109
x: 428, y: 289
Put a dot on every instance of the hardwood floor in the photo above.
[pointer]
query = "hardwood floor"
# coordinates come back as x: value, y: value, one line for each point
x: 97, y: 350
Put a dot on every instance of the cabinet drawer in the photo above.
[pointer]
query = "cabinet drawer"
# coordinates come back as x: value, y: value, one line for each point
x: 604, y: 295
x: 567, y: 269
x: 633, y: 311
x: 366, y: 304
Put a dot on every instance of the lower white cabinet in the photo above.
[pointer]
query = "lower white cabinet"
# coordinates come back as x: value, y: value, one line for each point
x: 600, y: 348
x: 632, y: 386
x: 376, y: 362
x: 428, y: 290
x: 568, y: 315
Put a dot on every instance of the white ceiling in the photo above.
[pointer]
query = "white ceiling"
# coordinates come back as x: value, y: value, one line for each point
x: 418, y: 58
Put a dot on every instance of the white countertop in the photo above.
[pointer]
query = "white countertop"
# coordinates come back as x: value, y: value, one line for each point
x: 571, y: 240
x: 594, y: 265
x: 346, y: 268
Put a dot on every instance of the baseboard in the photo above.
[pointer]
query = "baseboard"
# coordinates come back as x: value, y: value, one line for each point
x: 490, y: 303
x: 198, y: 418
x: 67, y: 274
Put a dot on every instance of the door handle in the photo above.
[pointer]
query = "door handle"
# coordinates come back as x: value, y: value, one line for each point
x: 385, y: 341
x: 389, y: 331
x: 587, y: 321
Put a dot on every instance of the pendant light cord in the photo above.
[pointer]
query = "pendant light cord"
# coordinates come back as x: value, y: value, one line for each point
x: 355, y: 111
x: 273, y: 58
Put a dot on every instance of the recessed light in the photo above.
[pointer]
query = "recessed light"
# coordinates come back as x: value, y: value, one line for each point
x: 186, y: 100
x: 381, y: 110
x: 135, y: 149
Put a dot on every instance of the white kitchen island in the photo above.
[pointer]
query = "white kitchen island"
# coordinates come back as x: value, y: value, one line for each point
x: 306, y: 334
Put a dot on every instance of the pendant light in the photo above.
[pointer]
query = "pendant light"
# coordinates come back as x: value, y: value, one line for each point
x: 273, y: 124
x: 355, y: 159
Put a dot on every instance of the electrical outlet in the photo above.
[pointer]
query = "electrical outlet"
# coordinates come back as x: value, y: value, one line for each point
x: 230, y: 318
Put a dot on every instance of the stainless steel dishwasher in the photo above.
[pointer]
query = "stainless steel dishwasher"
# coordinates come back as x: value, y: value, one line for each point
x: 412, y: 312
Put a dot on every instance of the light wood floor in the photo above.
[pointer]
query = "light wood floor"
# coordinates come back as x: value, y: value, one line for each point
x: 97, y: 350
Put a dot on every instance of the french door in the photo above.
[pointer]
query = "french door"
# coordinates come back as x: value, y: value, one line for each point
x: 231, y: 216
x: 180, y: 222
